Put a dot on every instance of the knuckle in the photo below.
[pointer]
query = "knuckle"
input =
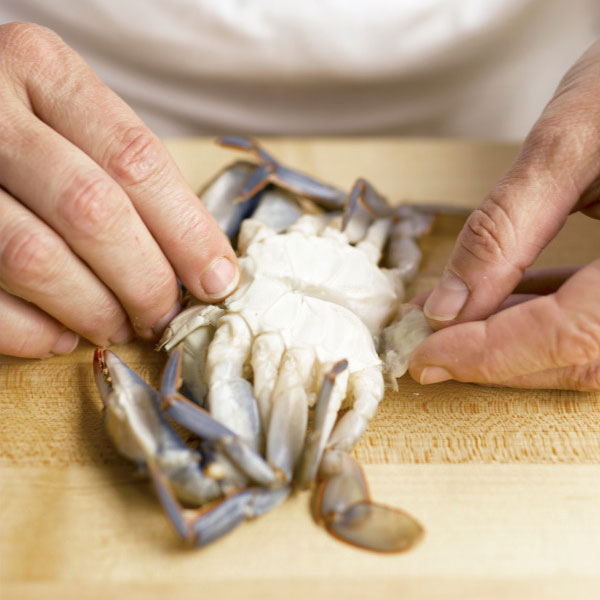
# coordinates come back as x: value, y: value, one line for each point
x: 548, y: 138
x: 583, y: 378
x: 34, y: 342
x: 588, y: 377
x: 193, y: 230
x: 24, y: 40
x: 556, y: 140
x: 488, y: 233
x: 88, y: 206
x: 101, y: 322
x: 136, y: 156
x: 152, y: 298
x: 578, y: 343
x: 31, y: 256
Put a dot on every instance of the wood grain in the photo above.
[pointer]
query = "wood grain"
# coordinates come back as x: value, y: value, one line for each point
x: 506, y: 482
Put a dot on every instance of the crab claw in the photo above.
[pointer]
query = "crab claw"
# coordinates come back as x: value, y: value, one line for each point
x: 345, y: 508
x: 101, y: 375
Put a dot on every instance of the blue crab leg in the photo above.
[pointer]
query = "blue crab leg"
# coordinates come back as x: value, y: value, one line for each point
x: 256, y: 182
x: 316, y: 440
x: 203, y: 526
x: 271, y: 171
x: 247, y: 144
x: 344, y: 507
x: 303, y: 185
x: 365, y: 195
x: 220, y: 197
x: 199, y: 421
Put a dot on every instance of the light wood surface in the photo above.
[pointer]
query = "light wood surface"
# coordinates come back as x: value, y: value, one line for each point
x: 506, y: 482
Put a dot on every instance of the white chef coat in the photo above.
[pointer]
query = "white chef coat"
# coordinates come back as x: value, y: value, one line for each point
x: 476, y: 68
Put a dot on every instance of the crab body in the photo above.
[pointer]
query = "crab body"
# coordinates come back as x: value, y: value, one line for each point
x: 300, y: 336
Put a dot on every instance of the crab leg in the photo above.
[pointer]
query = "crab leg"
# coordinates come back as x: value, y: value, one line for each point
x: 271, y: 171
x: 204, y: 526
x: 220, y: 194
x: 195, y: 328
x: 403, y: 255
x: 289, y: 413
x: 267, y: 351
x: 230, y: 396
x: 277, y: 209
x: 315, y: 443
x: 366, y: 388
x: 344, y: 506
x: 196, y: 419
x: 365, y: 195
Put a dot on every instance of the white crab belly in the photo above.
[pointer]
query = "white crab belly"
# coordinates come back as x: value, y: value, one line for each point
x: 332, y: 331
x: 325, y: 268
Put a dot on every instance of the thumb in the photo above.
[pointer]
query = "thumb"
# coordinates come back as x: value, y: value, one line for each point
x: 552, y: 341
x: 559, y: 161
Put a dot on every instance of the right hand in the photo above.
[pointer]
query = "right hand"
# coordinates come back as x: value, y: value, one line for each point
x: 96, y: 221
x: 548, y: 334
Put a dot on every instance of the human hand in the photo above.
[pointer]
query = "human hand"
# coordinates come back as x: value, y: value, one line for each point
x: 550, y: 337
x: 96, y: 221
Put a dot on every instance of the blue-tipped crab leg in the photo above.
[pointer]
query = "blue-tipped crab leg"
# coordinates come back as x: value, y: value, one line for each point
x: 247, y: 144
x: 256, y: 182
x: 271, y: 171
x: 317, y: 438
x: 365, y: 195
x: 344, y: 507
x: 203, y: 526
x: 199, y: 421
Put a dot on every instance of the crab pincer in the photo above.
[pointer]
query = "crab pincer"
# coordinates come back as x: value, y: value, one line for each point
x: 140, y: 431
x: 142, y: 434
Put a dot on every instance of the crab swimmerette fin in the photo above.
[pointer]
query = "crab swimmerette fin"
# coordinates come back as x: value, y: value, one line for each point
x: 344, y: 506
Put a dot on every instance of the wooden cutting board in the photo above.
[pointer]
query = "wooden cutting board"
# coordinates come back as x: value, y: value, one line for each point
x: 506, y: 482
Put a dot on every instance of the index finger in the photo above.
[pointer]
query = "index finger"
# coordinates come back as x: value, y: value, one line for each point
x: 96, y: 120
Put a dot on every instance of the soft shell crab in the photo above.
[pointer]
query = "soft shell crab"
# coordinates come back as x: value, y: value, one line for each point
x: 260, y: 378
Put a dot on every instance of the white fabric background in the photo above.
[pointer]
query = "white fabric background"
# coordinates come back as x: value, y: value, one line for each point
x: 475, y: 68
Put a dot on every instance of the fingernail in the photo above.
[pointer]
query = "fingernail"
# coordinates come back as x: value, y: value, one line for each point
x: 123, y: 335
x: 434, y: 375
x: 447, y: 299
x: 66, y: 343
x: 159, y: 326
x: 220, y: 279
